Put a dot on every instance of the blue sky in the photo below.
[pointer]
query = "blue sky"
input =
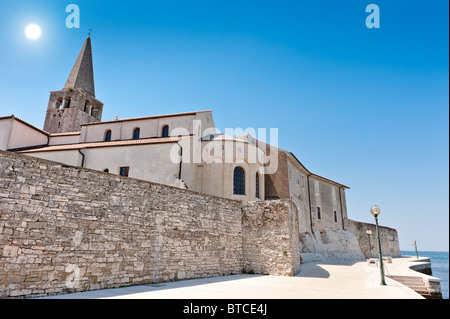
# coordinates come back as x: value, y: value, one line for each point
x: 365, y: 107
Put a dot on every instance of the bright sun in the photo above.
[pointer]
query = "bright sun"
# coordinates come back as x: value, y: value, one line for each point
x: 33, y: 31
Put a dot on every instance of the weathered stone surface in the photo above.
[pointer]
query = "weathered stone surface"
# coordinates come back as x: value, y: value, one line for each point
x: 84, y: 230
x: 329, y: 245
x: 369, y: 244
x: 270, y: 241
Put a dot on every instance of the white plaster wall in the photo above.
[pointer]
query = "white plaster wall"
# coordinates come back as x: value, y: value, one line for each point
x: 153, y: 162
x: 215, y: 175
x: 23, y: 136
x: 64, y: 139
x: 72, y: 157
x: 185, y: 123
x: 149, y: 162
x: 207, y: 123
x: 5, y: 130
x: 96, y: 133
x: 149, y: 128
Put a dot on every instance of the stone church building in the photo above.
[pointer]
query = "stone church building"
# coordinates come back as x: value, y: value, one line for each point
x: 186, y: 151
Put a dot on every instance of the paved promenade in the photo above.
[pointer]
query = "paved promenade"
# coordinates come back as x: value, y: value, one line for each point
x: 336, y: 280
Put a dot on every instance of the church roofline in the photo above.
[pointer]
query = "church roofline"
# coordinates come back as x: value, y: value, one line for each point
x: 65, y: 134
x: 329, y: 180
x: 146, y: 118
x: 78, y: 146
x: 25, y: 123
x: 315, y: 175
x: 258, y: 142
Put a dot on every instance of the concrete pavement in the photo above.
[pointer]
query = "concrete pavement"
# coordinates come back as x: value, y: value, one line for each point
x: 333, y: 280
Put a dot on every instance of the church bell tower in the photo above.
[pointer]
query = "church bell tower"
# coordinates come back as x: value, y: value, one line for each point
x: 75, y: 104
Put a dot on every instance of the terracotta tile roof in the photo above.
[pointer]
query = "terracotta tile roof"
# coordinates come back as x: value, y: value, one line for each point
x: 68, y: 147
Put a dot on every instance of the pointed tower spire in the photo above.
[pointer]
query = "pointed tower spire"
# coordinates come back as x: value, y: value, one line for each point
x: 82, y: 74
x: 75, y: 105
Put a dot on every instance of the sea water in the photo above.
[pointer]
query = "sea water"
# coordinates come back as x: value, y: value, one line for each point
x: 439, y: 267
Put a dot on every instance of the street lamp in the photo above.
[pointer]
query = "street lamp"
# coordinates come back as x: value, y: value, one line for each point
x: 415, y: 247
x: 369, y: 232
x: 375, y: 210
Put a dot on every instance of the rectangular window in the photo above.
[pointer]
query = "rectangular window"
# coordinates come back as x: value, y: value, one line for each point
x: 335, y: 216
x: 298, y: 177
x: 124, y: 171
x: 319, y: 215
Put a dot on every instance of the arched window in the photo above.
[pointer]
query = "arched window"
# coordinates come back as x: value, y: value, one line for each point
x: 108, y: 136
x: 257, y: 185
x: 59, y: 103
x: 239, y: 181
x: 165, y: 131
x: 67, y: 101
x: 136, y: 133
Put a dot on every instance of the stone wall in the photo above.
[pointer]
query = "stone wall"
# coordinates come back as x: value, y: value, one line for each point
x: 67, y: 229
x: 369, y: 244
x: 270, y: 241
x: 329, y: 245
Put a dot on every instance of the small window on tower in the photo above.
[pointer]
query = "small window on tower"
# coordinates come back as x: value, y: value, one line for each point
x: 319, y: 215
x: 67, y: 101
x: 59, y: 103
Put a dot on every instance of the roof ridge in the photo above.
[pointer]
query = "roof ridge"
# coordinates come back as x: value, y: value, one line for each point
x: 146, y: 117
x: 76, y: 146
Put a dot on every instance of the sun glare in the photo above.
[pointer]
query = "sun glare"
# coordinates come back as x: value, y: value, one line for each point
x: 33, y: 31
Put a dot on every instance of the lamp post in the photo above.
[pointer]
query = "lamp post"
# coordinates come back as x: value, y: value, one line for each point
x: 369, y: 232
x: 415, y: 247
x: 375, y: 210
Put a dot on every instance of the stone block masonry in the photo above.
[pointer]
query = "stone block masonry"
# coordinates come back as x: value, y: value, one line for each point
x: 68, y: 229
x: 369, y: 243
x: 271, y: 240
